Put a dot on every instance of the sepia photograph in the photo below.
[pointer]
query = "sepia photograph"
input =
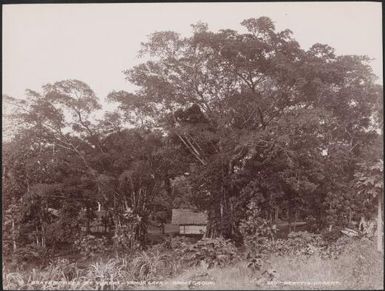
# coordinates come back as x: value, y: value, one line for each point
x: 192, y: 146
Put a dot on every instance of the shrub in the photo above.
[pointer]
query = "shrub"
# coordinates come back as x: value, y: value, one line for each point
x: 255, y: 262
x: 150, y: 265
x: 30, y: 254
x: 179, y: 242
x: 90, y: 245
x: 256, y: 231
x: 213, y: 252
x: 307, y: 244
x: 332, y: 236
x: 103, y: 271
x: 312, y: 224
x: 336, y: 248
x: 297, y: 243
x: 61, y: 267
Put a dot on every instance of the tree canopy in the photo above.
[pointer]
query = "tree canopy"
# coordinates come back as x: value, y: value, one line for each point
x: 219, y: 119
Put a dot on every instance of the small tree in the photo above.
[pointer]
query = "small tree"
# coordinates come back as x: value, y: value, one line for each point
x: 370, y: 184
x: 255, y: 229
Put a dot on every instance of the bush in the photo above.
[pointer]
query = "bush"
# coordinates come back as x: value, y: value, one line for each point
x: 336, y: 248
x: 90, y: 245
x: 62, y: 267
x: 312, y: 224
x: 213, y: 252
x: 30, y: 254
x: 256, y: 231
x: 307, y: 244
x: 332, y: 236
x: 179, y: 242
x: 255, y: 262
x: 154, y: 264
x: 297, y: 243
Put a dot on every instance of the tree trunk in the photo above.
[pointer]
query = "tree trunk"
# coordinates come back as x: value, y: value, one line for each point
x: 116, y: 224
x: 289, y: 214
x: 88, y: 220
x: 379, y: 225
x: 226, y: 223
x: 350, y: 216
x: 295, y: 219
x: 37, y: 236
x: 276, y: 214
x: 214, y: 219
x: 43, y: 236
x: 13, y: 235
x: 42, y: 229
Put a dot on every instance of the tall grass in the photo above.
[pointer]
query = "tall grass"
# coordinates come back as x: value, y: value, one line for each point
x: 360, y: 266
x: 113, y: 273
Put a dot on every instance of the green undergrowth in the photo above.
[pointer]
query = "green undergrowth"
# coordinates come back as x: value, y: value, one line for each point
x: 216, y: 264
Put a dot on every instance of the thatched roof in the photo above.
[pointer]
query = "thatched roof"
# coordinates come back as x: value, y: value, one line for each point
x: 188, y: 216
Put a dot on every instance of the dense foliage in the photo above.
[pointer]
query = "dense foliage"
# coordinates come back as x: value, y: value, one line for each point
x: 212, y: 252
x: 221, y: 121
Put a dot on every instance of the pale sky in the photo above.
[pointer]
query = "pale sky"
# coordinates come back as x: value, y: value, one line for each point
x: 94, y: 43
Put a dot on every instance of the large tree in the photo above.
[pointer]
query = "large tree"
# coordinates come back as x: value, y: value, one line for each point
x: 253, y: 107
x: 63, y: 158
